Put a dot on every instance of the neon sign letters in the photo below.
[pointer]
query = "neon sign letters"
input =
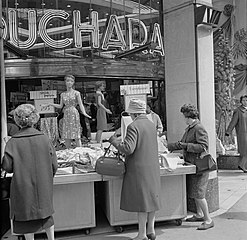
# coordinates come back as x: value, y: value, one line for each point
x: 107, y: 40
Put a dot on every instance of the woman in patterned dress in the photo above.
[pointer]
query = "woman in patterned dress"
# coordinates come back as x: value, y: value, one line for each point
x: 71, y: 120
x: 101, y: 110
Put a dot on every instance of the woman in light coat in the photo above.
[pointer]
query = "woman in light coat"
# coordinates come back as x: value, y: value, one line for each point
x: 31, y: 158
x: 141, y: 182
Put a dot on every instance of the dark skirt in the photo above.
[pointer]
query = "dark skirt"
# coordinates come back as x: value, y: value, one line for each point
x: 23, y: 227
x: 197, y: 185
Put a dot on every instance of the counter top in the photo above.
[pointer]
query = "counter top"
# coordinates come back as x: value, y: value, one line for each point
x: 94, y: 177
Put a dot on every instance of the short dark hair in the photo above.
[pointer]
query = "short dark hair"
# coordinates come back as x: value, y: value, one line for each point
x: 241, y: 98
x: 189, y: 111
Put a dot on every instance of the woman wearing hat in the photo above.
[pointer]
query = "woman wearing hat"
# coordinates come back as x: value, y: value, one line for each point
x: 31, y: 158
x: 141, y: 182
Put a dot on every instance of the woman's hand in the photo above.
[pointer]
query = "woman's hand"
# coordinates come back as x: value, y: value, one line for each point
x: 183, y: 145
x: 108, y: 111
x: 86, y: 115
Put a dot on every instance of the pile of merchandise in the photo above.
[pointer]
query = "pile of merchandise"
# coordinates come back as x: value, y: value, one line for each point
x: 78, y: 160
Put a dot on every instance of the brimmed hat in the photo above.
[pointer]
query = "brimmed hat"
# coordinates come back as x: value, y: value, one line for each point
x: 136, y: 106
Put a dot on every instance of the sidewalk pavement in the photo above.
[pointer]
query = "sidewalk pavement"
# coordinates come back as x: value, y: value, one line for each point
x: 230, y: 220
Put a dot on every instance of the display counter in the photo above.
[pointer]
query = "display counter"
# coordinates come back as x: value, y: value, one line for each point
x: 173, y: 198
x: 74, y: 201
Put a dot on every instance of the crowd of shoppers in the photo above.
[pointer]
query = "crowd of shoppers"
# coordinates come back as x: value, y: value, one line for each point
x: 31, y: 158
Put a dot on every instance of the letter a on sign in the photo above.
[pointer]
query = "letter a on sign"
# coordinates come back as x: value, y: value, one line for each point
x: 113, y: 38
x: 157, y: 38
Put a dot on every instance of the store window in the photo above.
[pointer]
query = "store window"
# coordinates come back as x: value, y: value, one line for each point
x: 55, y: 29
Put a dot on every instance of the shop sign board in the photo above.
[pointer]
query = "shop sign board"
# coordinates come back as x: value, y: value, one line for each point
x: 43, y: 94
x: 135, y: 89
x: 42, y: 98
x: 79, y: 28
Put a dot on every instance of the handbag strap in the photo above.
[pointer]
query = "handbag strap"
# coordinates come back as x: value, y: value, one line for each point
x: 108, y: 148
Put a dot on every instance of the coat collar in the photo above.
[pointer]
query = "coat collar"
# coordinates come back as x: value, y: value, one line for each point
x: 142, y: 116
x: 242, y: 109
x: 27, y: 132
x: 193, y: 124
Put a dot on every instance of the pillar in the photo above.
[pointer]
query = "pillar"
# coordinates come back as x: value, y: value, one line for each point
x: 189, y: 74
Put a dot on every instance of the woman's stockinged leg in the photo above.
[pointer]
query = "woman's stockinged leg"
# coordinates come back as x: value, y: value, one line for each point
x: 243, y: 162
x: 142, y: 221
x: 29, y: 236
x: 150, y: 224
x: 68, y: 143
x: 78, y: 142
x: 199, y: 212
x: 50, y: 233
x: 98, y: 136
x: 202, y: 203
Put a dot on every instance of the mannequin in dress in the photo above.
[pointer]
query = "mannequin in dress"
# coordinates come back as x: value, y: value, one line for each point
x: 71, y: 128
x: 101, y: 111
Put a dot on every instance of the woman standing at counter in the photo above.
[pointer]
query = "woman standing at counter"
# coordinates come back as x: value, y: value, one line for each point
x: 101, y: 110
x: 71, y: 128
x: 193, y: 143
x: 141, y: 182
x: 31, y: 158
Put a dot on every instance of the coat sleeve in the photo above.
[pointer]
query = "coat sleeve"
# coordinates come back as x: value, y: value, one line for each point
x: 201, y: 141
x: 7, y: 160
x: 174, y: 146
x: 128, y: 146
x: 53, y: 159
x: 159, y: 124
x: 233, y: 122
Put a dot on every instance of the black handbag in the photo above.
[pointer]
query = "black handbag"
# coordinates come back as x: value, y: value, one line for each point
x: 205, y: 163
x: 5, y: 186
x: 111, y: 166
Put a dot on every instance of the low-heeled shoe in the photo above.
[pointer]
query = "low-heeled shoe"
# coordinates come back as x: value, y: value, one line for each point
x: 151, y: 236
x: 142, y: 239
x: 205, y: 226
x: 245, y: 171
x: 195, y: 219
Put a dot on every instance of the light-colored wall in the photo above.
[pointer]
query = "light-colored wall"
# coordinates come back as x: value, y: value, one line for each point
x: 182, y: 59
x: 180, y: 67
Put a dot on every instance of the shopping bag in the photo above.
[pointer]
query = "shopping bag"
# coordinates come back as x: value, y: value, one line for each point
x: 205, y: 163
x: 111, y: 166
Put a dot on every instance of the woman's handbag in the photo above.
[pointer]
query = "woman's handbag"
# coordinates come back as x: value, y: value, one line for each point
x: 111, y: 166
x: 5, y: 186
x: 205, y: 163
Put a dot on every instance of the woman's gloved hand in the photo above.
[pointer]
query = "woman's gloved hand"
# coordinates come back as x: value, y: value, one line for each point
x: 183, y: 145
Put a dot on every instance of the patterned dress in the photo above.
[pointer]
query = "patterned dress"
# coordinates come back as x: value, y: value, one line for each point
x: 71, y: 119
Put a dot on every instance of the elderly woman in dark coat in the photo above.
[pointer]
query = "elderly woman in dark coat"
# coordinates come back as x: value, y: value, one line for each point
x: 141, y: 182
x: 32, y: 160
x: 239, y: 122
x: 193, y: 143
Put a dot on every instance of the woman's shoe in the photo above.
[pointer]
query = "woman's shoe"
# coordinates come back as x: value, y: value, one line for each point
x: 205, y: 226
x: 195, y: 219
x: 151, y: 236
x: 240, y: 168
